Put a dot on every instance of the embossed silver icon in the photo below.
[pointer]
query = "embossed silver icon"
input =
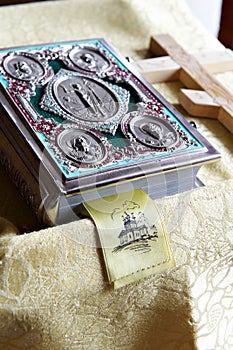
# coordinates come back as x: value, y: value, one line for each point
x: 85, y: 100
x: 149, y: 130
x: 89, y: 59
x: 23, y: 67
x: 27, y: 67
x: 88, y: 99
x: 82, y: 146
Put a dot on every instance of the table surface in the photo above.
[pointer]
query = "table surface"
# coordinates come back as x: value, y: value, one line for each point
x: 54, y: 292
x: 225, y: 34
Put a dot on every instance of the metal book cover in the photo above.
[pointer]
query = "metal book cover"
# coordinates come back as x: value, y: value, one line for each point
x: 90, y: 120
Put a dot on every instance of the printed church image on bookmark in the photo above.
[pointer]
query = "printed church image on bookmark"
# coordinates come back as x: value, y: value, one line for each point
x: 132, y: 236
x: 136, y: 233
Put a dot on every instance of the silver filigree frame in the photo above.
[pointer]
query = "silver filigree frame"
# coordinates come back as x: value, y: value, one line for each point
x: 96, y: 50
x: 50, y: 102
x: 64, y: 155
x: 18, y: 66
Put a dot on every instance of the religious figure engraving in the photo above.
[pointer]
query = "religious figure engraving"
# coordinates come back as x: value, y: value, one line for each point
x: 23, y: 67
x: 149, y: 130
x: 89, y: 59
x: 85, y: 98
x: 81, y: 146
x: 158, y: 135
x: 82, y: 149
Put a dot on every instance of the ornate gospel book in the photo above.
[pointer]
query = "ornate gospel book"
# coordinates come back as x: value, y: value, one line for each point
x: 78, y: 123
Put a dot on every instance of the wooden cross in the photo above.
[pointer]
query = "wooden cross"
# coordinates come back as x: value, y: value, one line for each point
x: 205, y: 96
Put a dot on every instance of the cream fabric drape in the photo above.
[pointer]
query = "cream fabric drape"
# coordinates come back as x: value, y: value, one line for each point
x: 54, y: 292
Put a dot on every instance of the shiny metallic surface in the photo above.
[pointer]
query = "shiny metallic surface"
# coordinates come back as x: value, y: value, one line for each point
x: 23, y: 67
x: 86, y: 98
x: 151, y: 130
x: 81, y: 146
x: 89, y: 59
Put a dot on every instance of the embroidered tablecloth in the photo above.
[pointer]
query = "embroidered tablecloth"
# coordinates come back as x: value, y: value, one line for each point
x: 54, y: 292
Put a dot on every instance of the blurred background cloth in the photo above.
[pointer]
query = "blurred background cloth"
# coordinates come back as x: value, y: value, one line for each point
x: 54, y: 292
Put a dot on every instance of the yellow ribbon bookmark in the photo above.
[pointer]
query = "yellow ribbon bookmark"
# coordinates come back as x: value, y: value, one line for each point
x: 132, y: 236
